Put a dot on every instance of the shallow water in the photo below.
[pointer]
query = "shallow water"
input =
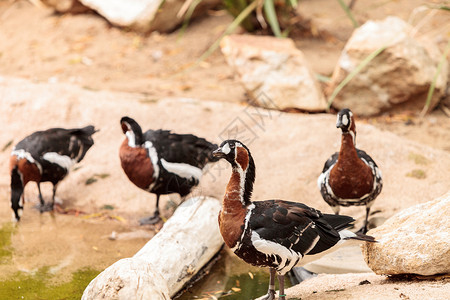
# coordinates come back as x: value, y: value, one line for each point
x: 231, y: 278
x: 32, y: 268
x: 55, y: 256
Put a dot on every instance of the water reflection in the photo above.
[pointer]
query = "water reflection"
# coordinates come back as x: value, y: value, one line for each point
x: 231, y: 279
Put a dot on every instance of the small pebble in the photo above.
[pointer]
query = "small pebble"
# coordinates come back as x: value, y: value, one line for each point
x: 113, y: 236
x: 156, y: 55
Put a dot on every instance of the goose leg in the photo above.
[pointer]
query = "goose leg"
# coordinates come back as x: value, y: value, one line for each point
x: 47, y: 206
x: 281, y: 294
x: 152, y: 219
x: 271, y: 292
x: 366, y: 221
x: 41, y: 199
x: 53, y: 196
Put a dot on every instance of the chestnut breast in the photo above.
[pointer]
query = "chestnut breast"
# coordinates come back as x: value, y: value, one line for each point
x: 350, y: 178
x: 231, y: 224
x: 29, y: 171
x: 136, y: 164
x: 232, y: 215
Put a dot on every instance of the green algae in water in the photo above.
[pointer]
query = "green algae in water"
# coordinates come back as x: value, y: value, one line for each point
x: 249, y: 288
x: 5, y: 242
x: 231, y: 279
x: 39, y: 286
x: 237, y: 287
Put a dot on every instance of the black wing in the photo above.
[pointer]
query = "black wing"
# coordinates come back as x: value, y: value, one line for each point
x: 181, y: 148
x: 297, y: 226
x: 363, y: 155
x: 375, y: 171
x: 334, y: 158
x: 321, y: 181
x: 330, y: 162
x: 71, y: 142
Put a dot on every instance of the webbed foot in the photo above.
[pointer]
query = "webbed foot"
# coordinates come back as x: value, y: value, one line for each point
x: 150, y: 220
x: 45, y: 207
x: 270, y: 295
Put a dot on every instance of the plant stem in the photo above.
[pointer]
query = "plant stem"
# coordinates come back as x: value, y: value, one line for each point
x: 238, y: 20
x: 349, y: 13
x: 433, y: 83
x: 271, y: 15
x: 352, y: 74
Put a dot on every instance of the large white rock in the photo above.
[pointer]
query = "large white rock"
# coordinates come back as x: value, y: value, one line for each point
x: 145, y: 15
x: 416, y: 240
x: 274, y: 72
x: 397, y: 79
x: 188, y: 240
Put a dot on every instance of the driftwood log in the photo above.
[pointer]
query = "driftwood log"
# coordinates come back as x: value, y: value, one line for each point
x: 188, y: 240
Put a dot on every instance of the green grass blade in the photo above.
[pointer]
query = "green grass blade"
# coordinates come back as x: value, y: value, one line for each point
x: 352, y: 74
x: 323, y: 78
x: 349, y: 13
x: 271, y: 15
x: 441, y: 7
x: 244, y: 14
x: 433, y: 83
x: 293, y: 3
x: 188, y: 16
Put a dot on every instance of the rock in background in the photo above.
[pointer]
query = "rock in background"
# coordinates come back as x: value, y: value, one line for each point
x: 274, y: 72
x: 139, y: 15
x: 398, y: 78
x: 414, y: 241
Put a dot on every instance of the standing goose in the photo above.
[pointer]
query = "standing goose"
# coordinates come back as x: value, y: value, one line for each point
x: 276, y: 234
x: 162, y: 162
x: 350, y: 177
x: 46, y: 156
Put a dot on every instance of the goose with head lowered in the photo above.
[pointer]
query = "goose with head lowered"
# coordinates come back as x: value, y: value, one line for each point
x: 46, y: 156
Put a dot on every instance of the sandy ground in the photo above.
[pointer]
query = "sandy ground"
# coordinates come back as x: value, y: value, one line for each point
x: 51, y: 51
x: 369, y: 286
x: 85, y: 50
x: 289, y: 151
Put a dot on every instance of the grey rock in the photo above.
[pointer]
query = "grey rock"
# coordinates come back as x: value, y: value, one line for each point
x: 146, y: 15
x: 397, y: 79
x: 415, y: 240
x: 274, y: 72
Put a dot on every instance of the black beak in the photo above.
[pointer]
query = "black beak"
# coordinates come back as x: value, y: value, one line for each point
x: 341, y: 125
x: 218, y: 153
